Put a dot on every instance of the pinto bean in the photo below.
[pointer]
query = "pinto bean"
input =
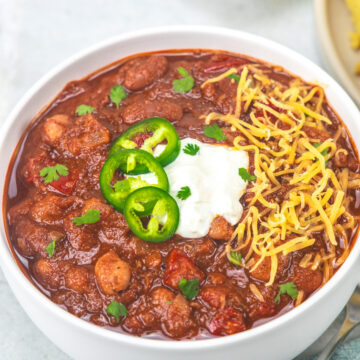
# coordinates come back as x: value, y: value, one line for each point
x: 315, y: 133
x: 153, y: 260
x: 161, y: 298
x: 142, y: 110
x: 177, y: 321
x: 55, y: 128
x: 51, y: 209
x: 77, y: 279
x: 145, y: 73
x: 20, y: 210
x: 112, y: 273
x: 49, y: 272
x: 306, y: 279
x: 262, y: 272
x: 96, y: 203
x: 209, y: 91
x: 86, y: 135
x: 220, y: 229
x: 341, y: 160
x: 353, y: 163
x: 220, y: 296
x: 33, y: 239
x: 81, y: 238
x: 179, y: 266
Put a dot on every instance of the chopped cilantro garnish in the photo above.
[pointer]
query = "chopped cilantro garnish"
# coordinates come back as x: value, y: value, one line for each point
x: 90, y: 217
x: 168, y: 302
x: 235, y: 258
x: 116, y: 309
x: 183, y: 193
x: 214, y: 132
x: 323, y: 153
x: 189, y: 288
x: 289, y: 289
x: 52, y: 173
x: 117, y: 94
x: 50, y: 249
x: 245, y: 175
x: 184, y: 84
x: 84, y: 109
x: 191, y: 149
x: 235, y: 77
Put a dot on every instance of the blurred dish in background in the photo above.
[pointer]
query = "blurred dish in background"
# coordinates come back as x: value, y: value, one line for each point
x: 354, y: 35
x: 334, y: 24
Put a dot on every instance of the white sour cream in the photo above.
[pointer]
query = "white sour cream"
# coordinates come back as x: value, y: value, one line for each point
x: 213, y: 178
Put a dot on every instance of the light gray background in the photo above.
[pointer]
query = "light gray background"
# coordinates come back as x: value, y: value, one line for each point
x: 36, y: 35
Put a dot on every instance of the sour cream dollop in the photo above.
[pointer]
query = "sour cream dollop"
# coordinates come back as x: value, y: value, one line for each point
x: 213, y: 178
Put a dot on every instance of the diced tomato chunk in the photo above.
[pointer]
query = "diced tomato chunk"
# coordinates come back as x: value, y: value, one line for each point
x: 227, y: 322
x: 179, y: 266
x: 65, y: 184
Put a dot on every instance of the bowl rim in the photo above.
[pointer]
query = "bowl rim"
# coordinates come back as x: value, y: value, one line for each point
x: 9, y: 262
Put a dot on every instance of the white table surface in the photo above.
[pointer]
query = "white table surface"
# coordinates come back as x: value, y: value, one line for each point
x: 36, y: 35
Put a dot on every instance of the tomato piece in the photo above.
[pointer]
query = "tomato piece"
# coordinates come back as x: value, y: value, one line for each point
x: 226, y: 322
x: 179, y: 266
x: 65, y: 184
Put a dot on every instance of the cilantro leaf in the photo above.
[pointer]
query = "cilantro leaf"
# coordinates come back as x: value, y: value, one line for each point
x: 323, y: 153
x: 52, y: 173
x: 116, y: 309
x: 191, y: 149
x: 214, y: 132
x: 84, y: 109
x: 189, y: 288
x: 289, y: 289
x: 235, y: 77
x: 168, y: 302
x: 117, y: 94
x: 90, y: 217
x: 183, y: 193
x: 235, y: 258
x: 245, y: 175
x: 50, y: 249
x: 184, y: 84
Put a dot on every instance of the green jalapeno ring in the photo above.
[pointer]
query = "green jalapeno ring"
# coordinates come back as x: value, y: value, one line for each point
x: 164, y: 214
x: 161, y: 129
x: 128, y: 159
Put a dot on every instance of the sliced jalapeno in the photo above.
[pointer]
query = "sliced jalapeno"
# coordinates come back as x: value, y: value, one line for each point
x: 163, y: 214
x: 115, y: 194
x: 161, y: 129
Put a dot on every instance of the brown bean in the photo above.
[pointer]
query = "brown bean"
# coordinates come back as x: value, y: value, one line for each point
x: 112, y: 273
x: 142, y: 110
x: 220, y: 229
x: 145, y: 73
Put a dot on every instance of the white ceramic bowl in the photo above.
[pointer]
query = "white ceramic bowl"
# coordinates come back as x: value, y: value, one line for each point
x: 281, y: 338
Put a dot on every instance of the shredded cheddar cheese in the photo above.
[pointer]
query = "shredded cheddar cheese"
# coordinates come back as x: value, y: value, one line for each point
x: 275, y: 133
